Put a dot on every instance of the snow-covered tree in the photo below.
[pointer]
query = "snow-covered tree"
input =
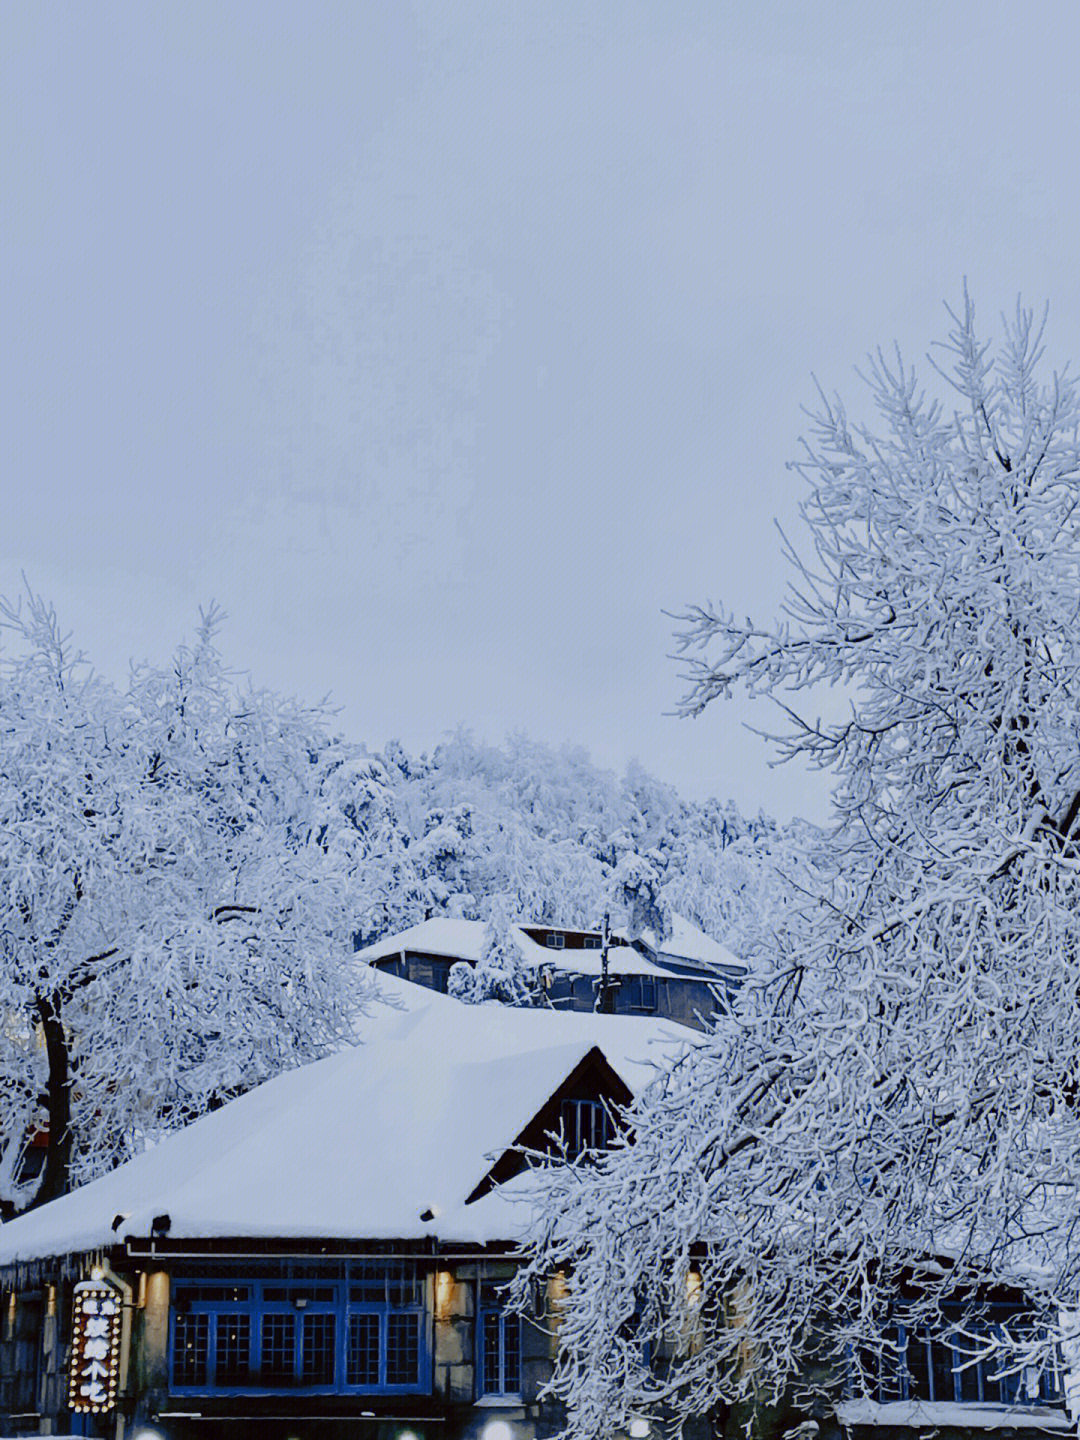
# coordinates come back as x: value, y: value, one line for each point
x: 637, y: 889
x: 394, y: 893
x: 501, y: 973
x: 178, y: 863
x: 898, y: 1098
x: 546, y: 828
x: 443, y: 859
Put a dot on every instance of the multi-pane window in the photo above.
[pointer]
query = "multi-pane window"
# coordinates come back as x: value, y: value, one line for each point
x: 638, y: 992
x: 498, y: 1345
x: 402, y: 1349
x: 277, y: 1354
x: 362, y: 1357
x: 191, y: 1349
x: 317, y: 1349
x: 364, y: 1330
x: 500, y: 1359
x: 387, y: 1316
x: 958, y: 1365
x: 586, y: 1125
x: 233, y: 1347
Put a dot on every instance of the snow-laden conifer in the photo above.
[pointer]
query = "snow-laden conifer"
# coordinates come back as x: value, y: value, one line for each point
x: 894, y: 1110
x: 501, y: 973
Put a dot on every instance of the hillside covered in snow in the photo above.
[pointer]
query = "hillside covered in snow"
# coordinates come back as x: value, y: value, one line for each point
x: 549, y: 836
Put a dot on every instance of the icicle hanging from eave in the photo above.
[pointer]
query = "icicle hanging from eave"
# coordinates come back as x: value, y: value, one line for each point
x: 32, y: 1274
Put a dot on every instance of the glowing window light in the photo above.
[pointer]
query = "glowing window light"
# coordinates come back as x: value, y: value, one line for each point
x: 94, y: 1367
x: 444, y: 1293
x: 695, y: 1291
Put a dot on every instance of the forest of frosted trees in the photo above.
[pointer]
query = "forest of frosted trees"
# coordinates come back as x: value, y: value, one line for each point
x: 187, y: 864
x: 550, y: 836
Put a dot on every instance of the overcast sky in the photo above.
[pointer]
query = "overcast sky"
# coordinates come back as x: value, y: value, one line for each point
x: 448, y: 346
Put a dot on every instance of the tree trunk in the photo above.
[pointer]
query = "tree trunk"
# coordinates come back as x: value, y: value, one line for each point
x: 55, y: 1176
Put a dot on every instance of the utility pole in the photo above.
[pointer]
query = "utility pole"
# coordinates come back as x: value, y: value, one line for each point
x: 605, y: 1000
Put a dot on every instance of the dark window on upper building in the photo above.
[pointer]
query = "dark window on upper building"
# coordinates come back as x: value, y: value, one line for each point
x: 434, y: 973
x: 585, y: 1125
x: 637, y: 992
x: 555, y: 941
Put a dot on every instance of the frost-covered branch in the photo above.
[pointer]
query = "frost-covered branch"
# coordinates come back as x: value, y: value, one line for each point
x: 137, y: 828
x: 902, y: 1124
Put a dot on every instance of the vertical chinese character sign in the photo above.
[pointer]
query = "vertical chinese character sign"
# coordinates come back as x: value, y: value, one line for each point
x: 95, y: 1347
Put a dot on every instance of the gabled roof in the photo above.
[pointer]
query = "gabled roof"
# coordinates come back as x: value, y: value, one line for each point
x: 360, y: 1145
x: 687, y: 950
x: 689, y: 946
x: 593, y: 1077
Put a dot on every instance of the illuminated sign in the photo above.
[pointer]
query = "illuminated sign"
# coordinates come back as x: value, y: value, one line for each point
x: 95, y: 1347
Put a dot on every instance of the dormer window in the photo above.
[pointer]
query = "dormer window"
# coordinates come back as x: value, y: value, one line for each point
x: 585, y: 1125
x: 556, y: 940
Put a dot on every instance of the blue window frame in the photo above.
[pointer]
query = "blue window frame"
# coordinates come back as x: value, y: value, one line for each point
x: 915, y: 1366
x: 363, y: 1331
x: 498, y: 1346
x: 191, y: 1349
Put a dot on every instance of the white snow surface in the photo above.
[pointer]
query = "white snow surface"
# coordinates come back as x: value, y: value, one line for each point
x: 965, y: 1416
x: 358, y: 1145
x: 464, y: 940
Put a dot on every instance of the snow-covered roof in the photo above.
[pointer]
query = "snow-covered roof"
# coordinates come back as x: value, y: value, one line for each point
x: 690, y: 945
x: 359, y: 1145
x: 464, y: 940
x: 455, y: 939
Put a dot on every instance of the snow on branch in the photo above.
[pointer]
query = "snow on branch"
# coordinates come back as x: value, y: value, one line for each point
x: 178, y: 868
x: 899, y: 1124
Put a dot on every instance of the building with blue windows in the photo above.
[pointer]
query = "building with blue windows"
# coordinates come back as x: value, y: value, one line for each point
x: 688, y: 977
x: 328, y: 1254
